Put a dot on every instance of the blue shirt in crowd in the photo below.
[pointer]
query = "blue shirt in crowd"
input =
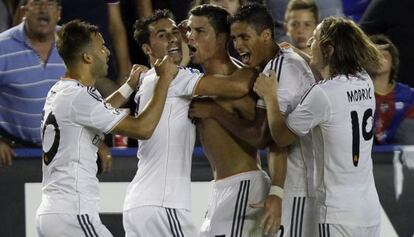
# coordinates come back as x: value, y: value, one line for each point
x: 25, y: 80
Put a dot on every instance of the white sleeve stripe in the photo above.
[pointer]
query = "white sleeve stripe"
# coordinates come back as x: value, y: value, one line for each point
x: 116, y: 124
x: 196, y: 85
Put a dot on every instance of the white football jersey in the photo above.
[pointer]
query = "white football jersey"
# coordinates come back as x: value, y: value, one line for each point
x: 339, y: 112
x: 74, y: 120
x: 295, y: 77
x: 163, y: 177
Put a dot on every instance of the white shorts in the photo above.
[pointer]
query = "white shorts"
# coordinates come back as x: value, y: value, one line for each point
x: 157, y: 221
x: 336, y: 230
x: 229, y: 213
x: 70, y: 225
x: 298, y: 217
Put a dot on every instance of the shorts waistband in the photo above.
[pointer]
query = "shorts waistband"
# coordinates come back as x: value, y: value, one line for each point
x: 229, y: 181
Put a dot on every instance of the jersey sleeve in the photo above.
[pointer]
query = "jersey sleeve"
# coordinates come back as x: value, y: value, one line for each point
x: 313, y: 109
x: 90, y: 110
x: 186, y: 81
x: 294, y: 78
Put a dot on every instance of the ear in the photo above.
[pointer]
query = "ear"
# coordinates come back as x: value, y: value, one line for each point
x: 87, y: 58
x: 266, y: 34
x: 222, y: 38
x: 331, y: 50
x: 146, y: 48
x: 285, y: 27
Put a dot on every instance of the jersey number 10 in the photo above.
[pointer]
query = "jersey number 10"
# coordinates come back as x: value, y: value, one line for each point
x: 355, y: 133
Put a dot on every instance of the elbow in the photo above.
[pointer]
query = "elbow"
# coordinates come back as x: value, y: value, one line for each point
x: 281, y: 143
x: 241, y: 91
x: 146, y: 134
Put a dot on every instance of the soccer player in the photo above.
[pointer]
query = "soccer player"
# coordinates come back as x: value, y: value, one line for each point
x: 338, y: 112
x: 253, y: 38
x: 239, y: 180
x: 157, y: 201
x: 75, y: 117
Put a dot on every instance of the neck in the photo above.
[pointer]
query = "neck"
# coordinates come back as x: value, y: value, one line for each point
x: 38, y: 38
x: 219, y: 65
x: 306, y: 50
x: 382, y: 83
x: 269, y: 53
x: 326, y: 73
x: 83, y: 76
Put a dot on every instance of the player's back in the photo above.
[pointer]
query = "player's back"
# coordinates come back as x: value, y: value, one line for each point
x: 343, y: 143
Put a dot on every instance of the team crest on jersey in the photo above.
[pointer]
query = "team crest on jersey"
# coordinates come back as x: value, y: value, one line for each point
x: 109, y: 107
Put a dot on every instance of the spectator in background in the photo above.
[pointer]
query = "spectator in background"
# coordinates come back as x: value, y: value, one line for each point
x: 393, y: 19
x: 29, y: 66
x: 107, y: 16
x: 394, y: 100
x: 278, y: 8
x: 301, y: 18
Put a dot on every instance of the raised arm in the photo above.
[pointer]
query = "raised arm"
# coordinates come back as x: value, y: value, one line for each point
x: 121, y: 95
x: 235, y: 85
x: 119, y: 39
x: 144, y: 125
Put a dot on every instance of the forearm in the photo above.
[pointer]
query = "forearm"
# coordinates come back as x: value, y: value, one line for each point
x: 277, y: 125
x: 151, y: 114
x: 119, y: 39
x: 277, y: 162
x: 120, y: 96
x: 143, y: 8
x: 248, y: 131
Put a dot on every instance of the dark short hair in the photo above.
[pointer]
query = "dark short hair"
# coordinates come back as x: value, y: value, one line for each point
x: 392, y: 49
x: 24, y: 2
x: 309, y: 5
x: 256, y: 15
x: 72, y: 39
x: 217, y: 16
x: 353, y: 50
x: 141, y: 30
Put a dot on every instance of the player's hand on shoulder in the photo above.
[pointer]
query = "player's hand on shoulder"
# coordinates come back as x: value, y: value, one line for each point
x: 135, y: 74
x: 165, y: 68
x: 6, y: 154
x: 266, y: 85
x: 271, y: 219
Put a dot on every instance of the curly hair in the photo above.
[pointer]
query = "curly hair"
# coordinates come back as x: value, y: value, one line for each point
x: 141, y: 30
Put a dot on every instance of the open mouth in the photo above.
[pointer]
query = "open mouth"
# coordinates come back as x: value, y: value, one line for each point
x: 43, y: 20
x: 192, y: 49
x: 174, y: 50
x: 245, y: 57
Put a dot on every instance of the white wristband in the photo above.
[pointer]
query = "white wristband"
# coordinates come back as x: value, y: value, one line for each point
x: 276, y: 190
x: 125, y: 90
